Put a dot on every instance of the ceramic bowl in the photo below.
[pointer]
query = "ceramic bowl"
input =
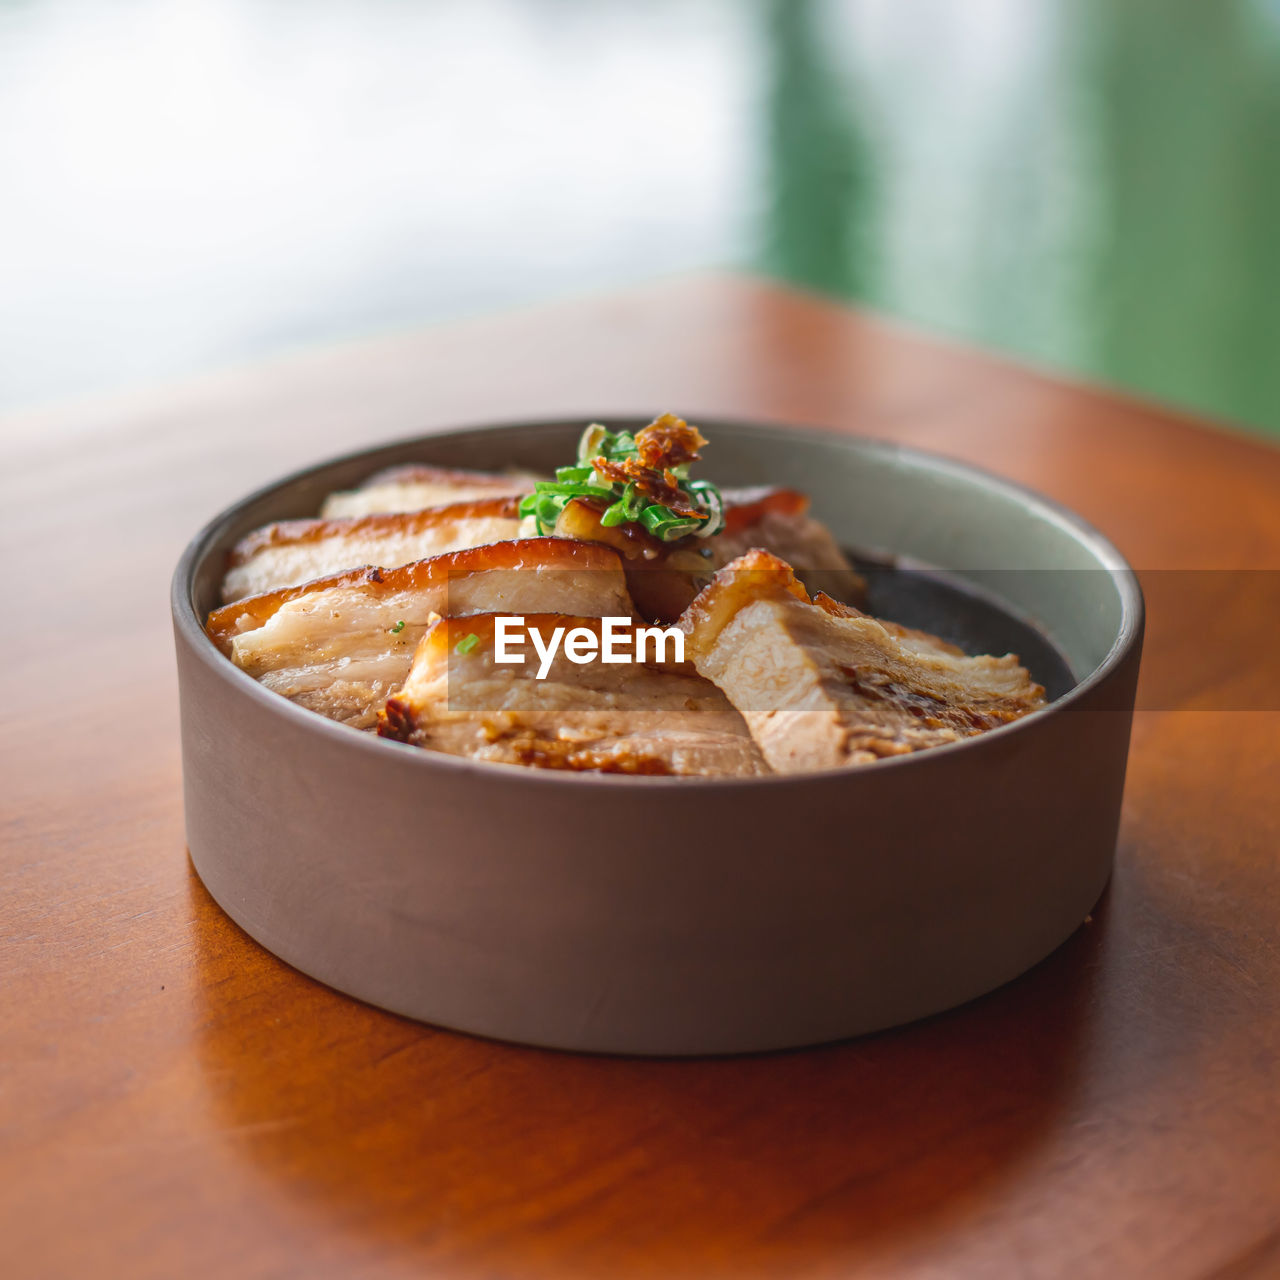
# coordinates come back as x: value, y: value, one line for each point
x: 674, y: 915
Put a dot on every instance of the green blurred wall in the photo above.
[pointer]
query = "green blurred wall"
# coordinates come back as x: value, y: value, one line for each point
x: 1094, y: 186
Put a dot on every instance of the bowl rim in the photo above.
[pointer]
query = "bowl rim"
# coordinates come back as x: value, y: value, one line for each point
x: 189, y: 625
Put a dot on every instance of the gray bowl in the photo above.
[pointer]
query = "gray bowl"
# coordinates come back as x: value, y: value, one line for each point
x: 680, y: 916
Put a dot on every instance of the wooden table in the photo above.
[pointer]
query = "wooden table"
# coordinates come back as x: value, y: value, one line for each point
x: 174, y: 1102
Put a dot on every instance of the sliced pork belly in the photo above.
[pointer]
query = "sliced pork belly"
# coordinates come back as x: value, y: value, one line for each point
x: 778, y: 521
x: 823, y: 686
x: 585, y: 717
x: 294, y: 551
x: 339, y: 645
x: 411, y: 488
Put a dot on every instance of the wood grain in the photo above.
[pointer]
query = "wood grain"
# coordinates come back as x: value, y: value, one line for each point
x: 176, y: 1102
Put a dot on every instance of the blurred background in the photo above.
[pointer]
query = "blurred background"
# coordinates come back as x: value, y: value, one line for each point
x: 1093, y: 185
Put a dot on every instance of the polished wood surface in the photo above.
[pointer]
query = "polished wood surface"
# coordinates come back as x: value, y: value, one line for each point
x: 176, y: 1102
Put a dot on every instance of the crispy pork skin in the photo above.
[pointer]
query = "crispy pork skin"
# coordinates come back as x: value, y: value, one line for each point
x: 584, y: 717
x: 339, y: 645
x: 909, y: 637
x: 822, y: 686
x: 778, y: 521
x: 411, y: 488
x: 295, y: 551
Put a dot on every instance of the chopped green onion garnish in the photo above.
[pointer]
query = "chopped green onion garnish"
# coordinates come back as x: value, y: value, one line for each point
x: 574, y: 490
x: 467, y: 643
x: 708, y: 497
x: 665, y: 524
x: 549, y: 507
x: 625, y: 502
x: 589, y: 445
x: 398, y: 628
x: 626, y: 508
x: 622, y: 445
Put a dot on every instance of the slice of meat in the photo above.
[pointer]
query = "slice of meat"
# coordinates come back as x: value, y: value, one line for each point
x: 339, y: 645
x: 411, y: 488
x: 822, y: 686
x: 585, y: 717
x: 778, y: 521
x: 294, y: 551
